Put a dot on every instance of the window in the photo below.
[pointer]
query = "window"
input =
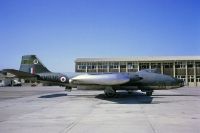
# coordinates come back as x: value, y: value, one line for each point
x: 123, y: 65
x: 155, y: 65
x: 114, y: 65
x: 132, y: 65
x: 81, y: 66
x: 144, y: 66
x: 197, y: 64
x: 102, y: 65
x: 198, y: 79
x: 190, y: 78
x: 168, y: 65
x: 190, y: 64
x: 179, y: 64
x: 91, y: 66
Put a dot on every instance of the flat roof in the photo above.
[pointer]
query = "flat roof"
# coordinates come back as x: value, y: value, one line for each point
x: 140, y: 58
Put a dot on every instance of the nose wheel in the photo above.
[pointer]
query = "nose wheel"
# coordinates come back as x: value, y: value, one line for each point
x: 109, y: 92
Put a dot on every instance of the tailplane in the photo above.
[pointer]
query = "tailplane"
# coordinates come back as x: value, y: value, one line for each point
x: 31, y: 64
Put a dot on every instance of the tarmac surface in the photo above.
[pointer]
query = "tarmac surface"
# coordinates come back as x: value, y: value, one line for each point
x: 52, y: 110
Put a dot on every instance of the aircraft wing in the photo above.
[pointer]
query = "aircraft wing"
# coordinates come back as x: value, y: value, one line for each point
x: 100, y: 79
x: 19, y: 74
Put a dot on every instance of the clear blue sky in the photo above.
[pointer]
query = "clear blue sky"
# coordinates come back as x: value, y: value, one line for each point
x: 59, y: 31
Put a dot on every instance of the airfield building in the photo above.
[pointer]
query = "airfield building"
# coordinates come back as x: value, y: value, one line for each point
x: 182, y: 67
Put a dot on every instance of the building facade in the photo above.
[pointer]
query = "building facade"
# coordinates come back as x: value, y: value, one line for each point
x: 182, y: 67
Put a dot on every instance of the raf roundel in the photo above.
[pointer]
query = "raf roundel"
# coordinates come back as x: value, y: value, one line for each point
x: 62, y: 79
x: 35, y: 61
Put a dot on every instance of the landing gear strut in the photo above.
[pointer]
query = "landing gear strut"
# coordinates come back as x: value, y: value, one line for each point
x: 110, y: 92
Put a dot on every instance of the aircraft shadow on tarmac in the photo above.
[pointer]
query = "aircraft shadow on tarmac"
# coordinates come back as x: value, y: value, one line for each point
x: 54, y: 95
x: 177, y: 95
x: 124, y: 98
x: 121, y: 97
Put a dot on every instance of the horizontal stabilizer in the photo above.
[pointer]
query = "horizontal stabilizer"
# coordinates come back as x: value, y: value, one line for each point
x: 19, y: 74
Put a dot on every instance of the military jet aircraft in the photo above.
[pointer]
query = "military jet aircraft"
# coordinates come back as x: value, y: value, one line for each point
x: 145, y: 80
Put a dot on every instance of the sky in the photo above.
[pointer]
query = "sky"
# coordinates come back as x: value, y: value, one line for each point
x: 59, y: 31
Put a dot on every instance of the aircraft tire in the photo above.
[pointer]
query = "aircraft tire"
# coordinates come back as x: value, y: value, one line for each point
x: 109, y: 92
x: 149, y: 93
x: 67, y: 88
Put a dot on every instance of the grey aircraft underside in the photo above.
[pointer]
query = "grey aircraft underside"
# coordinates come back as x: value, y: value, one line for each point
x: 144, y: 80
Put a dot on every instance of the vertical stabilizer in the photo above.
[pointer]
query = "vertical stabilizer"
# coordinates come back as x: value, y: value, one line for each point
x: 31, y: 64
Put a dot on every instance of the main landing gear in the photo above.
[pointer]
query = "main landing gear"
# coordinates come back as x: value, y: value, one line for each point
x: 110, y: 92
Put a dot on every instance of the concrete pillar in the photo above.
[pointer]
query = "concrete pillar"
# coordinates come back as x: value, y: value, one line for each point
x: 76, y: 67
x: 126, y: 66
x: 86, y: 69
x: 195, y: 73
x: 138, y: 66
x: 186, y: 73
x: 174, y: 69
x: 108, y: 70
x: 149, y: 65
x: 119, y: 67
x: 97, y: 69
x: 161, y: 67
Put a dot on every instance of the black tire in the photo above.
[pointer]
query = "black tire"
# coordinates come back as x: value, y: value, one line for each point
x: 149, y: 93
x: 109, y: 92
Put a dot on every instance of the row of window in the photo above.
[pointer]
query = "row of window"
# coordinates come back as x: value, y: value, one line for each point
x: 189, y: 79
x: 132, y: 65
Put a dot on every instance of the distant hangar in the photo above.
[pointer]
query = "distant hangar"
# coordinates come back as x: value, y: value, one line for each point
x: 182, y: 67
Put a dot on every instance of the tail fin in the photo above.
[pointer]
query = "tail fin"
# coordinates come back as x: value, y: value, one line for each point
x: 31, y: 64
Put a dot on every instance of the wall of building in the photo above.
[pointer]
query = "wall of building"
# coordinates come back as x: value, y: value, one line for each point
x: 188, y: 70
